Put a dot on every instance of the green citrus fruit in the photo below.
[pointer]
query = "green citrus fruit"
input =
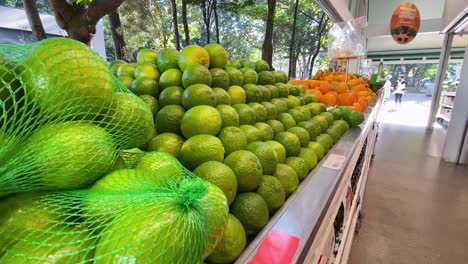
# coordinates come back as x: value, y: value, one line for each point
x: 219, y: 78
x: 196, y: 74
x: 126, y: 70
x: 114, y: 66
x: 266, y: 154
x: 247, y: 168
x: 253, y: 93
x: 168, y: 59
x: 272, y: 192
x: 311, y: 129
x: 228, y: 115
x: 201, y: 119
x: 276, y: 125
x: 193, y: 54
x: 199, y: 149
x: 166, y: 142
x: 279, y: 77
x: 288, y: 178
x: 322, y: 121
x: 169, y: 118
x: 218, y: 55
x: 145, y: 85
x: 147, y: 55
x: 280, y: 105
x: 147, y: 69
x: 234, y: 64
x: 265, y: 93
x: 294, y: 101
x: 272, y: 112
x: 265, y: 130
x: 220, y: 175
x: 233, y: 139
x: 171, y: 77
x: 288, y: 102
x: 235, y: 76
x: 279, y: 149
x: 232, y: 243
x: 250, y: 76
x: 237, y: 94
x: 290, y: 142
x: 260, y: 111
x: 171, y: 96
x: 222, y: 97
x: 309, y: 156
x: 299, y: 165
x: 297, y: 115
x: 335, y: 133
x: 251, y: 210
x: 152, y: 103
x: 317, y: 148
x: 302, y: 134
x: 266, y: 77
x: 126, y: 81
x: 274, y: 92
x: 198, y: 94
x: 287, y: 120
x: 314, y: 109
x: 283, y: 90
x: 246, y: 114
x: 329, y: 117
x: 305, y: 111
x: 261, y: 66
x: 251, y: 132
x: 326, y: 141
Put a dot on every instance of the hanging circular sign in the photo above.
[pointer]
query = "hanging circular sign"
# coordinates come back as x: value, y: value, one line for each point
x: 405, y: 23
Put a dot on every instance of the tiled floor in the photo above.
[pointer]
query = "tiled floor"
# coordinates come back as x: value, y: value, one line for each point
x: 415, y: 205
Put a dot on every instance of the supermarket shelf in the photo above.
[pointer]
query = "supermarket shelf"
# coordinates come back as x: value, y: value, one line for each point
x: 447, y: 106
x: 317, y: 199
x: 444, y: 93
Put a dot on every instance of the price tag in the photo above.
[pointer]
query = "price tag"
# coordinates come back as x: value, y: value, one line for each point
x: 278, y: 247
x: 335, y: 162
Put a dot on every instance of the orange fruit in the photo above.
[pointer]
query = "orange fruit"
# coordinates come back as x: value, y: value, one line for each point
x: 314, y: 83
x: 329, y: 78
x: 317, y: 93
x: 369, y: 99
x: 362, y: 102
x: 357, y: 107
x: 340, y: 87
x: 328, y: 99
x: 325, y: 87
x: 345, y: 99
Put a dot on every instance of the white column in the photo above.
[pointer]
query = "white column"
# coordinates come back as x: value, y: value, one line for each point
x: 443, y: 61
x: 456, y: 140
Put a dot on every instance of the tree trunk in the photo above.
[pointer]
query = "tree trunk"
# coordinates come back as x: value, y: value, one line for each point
x: 267, y: 47
x: 117, y: 37
x: 291, y: 73
x: 215, y: 8
x: 80, y: 21
x: 174, y: 22
x: 184, y: 21
x: 322, y: 25
x: 34, y: 19
x: 207, y: 19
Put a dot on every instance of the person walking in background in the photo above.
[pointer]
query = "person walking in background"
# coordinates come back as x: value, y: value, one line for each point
x: 400, y: 89
x: 387, y: 87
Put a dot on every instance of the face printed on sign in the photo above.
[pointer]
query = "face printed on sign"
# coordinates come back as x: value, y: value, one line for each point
x: 405, y: 23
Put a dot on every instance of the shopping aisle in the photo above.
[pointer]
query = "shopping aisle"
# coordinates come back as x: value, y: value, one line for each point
x: 415, y: 205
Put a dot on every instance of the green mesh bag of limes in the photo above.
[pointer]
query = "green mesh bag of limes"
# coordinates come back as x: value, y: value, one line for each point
x: 128, y: 216
x: 63, y: 117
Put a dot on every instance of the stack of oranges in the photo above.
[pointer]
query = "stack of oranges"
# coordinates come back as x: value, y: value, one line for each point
x: 331, y: 89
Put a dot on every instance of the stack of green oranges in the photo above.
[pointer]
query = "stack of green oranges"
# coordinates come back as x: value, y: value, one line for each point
x: 236, y: 124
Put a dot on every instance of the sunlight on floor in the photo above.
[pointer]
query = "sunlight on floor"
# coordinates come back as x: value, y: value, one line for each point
x: 414, y: 111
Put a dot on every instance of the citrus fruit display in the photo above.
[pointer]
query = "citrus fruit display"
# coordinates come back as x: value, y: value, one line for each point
x: 160, y: 150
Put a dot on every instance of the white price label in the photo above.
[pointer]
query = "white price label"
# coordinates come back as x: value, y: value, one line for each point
x: 334, y: 162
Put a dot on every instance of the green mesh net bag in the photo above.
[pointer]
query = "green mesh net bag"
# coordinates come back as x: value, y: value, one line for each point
x: 64, y: 118
x: 142, y: 215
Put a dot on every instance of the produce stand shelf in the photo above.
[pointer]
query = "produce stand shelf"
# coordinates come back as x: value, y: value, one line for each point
x: 310, y: 213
